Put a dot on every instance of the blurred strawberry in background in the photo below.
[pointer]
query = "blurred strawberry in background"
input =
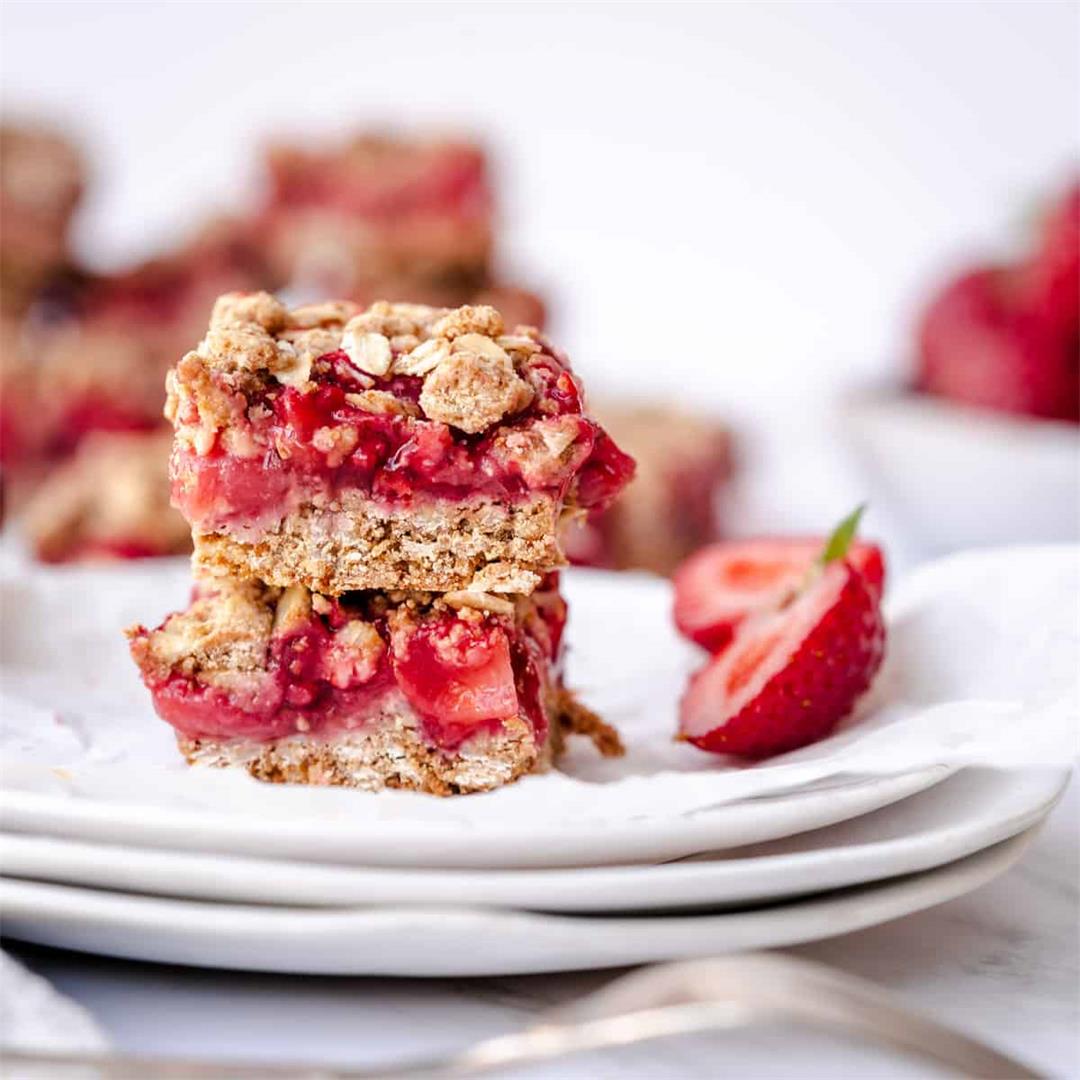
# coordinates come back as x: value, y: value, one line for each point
x: 1007, y: 337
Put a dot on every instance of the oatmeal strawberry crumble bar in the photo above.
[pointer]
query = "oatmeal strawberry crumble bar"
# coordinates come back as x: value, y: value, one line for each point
x: 380, y: 211
x: 684, y: 462
x: 444, y: 693
x: 109, y: 501
x: 398, y: 447
x: 387, y: 217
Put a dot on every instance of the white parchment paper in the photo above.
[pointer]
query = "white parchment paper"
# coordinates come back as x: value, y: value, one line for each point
x: 982, y: 667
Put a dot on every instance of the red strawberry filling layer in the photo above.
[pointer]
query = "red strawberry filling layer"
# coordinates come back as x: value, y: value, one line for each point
x: 317, y: 446
x: 343, y: 670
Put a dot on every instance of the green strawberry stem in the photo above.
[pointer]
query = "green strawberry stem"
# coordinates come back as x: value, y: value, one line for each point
x: 836, y: 547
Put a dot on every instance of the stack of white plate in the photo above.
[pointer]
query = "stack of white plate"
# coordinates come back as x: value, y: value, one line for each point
x: 185, y: 889
x: 110, y: 845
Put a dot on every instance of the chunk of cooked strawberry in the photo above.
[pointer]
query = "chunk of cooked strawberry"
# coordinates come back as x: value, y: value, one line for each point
x: 722, y: 585
x: 790, y: 675
x: 456, y: 673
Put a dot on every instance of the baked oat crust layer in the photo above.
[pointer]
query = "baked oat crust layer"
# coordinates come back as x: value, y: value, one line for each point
x: 486, y: 545
x: 393, y: 755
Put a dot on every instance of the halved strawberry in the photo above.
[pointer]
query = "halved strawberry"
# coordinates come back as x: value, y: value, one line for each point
x: 722, y: 585
x: 791, y: 674
x: 790, y: 677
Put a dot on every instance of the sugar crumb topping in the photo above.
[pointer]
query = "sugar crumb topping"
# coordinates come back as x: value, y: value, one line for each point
x: 467, y: 361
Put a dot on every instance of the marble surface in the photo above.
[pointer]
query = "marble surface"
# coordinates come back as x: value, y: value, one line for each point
x: 1001, y: 964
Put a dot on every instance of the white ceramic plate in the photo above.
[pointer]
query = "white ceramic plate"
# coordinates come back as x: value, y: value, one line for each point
x: 407, y: 844
x: 964, y: 814
x: 84, y: 757
x: 979, y: 669
x: 432, y: 941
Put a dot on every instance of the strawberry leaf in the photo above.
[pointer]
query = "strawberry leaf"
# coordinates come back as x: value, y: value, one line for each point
x: 836, y: 547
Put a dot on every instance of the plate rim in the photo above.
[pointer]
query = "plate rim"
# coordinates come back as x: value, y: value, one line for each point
x: 753, y: 878
x: 609, y: 940
x: 603, y: 842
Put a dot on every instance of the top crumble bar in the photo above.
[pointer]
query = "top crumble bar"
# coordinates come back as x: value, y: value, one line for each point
x: 395, y: 447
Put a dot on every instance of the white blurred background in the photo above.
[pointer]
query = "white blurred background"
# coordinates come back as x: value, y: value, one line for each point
x: 734, y: 204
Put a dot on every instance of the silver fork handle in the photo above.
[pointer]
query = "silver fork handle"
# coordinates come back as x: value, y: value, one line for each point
x: 665, y: 1000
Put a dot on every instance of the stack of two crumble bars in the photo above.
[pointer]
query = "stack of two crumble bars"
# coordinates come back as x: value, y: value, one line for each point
x: 375, y: 499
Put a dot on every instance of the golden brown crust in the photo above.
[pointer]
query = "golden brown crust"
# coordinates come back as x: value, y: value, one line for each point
x: 485, y: 545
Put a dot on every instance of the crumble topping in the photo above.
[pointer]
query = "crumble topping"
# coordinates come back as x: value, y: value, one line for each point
x: 395, y: 320
x: 311, y: 342
x: 423, y: 358
x: 354, y: 654
x: 231, y: 622
x: 544, y: 450
x: 337, y: 442
x: 368, y: 350
x: 474, y: 387
x: 226, y: 628
x: 577, y: 719
x: 245, y: 347
x: 259, y: 308
x: 467, y: 363
x: 322, y: 314
x: 292, y: 610
x: 382, y: 403
x: 481, y: 320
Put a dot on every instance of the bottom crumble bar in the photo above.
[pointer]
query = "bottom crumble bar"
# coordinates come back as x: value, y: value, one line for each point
x: 443, y: 693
